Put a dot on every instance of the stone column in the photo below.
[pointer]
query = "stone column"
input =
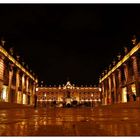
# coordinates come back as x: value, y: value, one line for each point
x: 109, y: 91
x: 1, y: 73
x: 114, y: 83
x: 136, y: 77
x: 23, y: 82
x: 119, y: 86
x: 127, y: 77
x: 23, y: 86
x: 32, y: 92
x: 103, y: 93
x: 126, y: 72
x: 27, y: 85
x: 27, y: 90
x: 17, y: 84
x: 10, y: 82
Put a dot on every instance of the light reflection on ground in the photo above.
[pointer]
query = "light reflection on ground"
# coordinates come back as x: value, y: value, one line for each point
x: 69, y: 122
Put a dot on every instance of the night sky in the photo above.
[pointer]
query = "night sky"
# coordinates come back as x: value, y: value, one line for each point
x: 75, y: 42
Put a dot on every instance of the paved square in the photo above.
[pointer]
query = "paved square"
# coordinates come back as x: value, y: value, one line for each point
x: 114, y: 120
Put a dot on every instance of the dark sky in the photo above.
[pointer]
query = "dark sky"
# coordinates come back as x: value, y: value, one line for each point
x: 68, y: 41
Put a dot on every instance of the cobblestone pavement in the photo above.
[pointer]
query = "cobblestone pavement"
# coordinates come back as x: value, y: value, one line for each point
x: 101, y: 121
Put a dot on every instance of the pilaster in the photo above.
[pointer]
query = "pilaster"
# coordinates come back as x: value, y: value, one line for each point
x: 136, y: 76
x: 23, y: 89
x: 119, y: 88
x: 114, y: 83
x: 17, y: 84
x: 109, y: 91
x: 127, y: 77
x: 10, y: 96
x: 1, y: 73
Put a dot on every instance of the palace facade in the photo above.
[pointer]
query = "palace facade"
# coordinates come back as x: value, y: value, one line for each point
x: 17, y: 84
x: 121, y: 83
x: 68, y: 93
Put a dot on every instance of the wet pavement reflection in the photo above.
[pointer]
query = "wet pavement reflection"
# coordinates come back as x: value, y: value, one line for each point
x: 69, y: 122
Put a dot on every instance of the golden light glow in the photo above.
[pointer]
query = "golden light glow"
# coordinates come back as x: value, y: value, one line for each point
x: 63, y: 88
x: 68, y: 85
x: 19, y: 97
x: 100, y: 89
x: 124, y: 92
x: 24, y: 98
x: 5, y: 53
x: 23, y: 81
x: 4, y: 95
x: 1, y: 68
x: 133, y: 87
x: 36, y: 89
x: 125, y: 58
x: 79, y: 94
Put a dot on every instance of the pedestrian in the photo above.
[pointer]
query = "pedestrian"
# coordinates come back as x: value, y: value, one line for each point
x: 128, y: 97
x: 134, y: 97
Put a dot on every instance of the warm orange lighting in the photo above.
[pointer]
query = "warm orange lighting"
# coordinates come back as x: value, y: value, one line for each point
x: 133, y: 87
x: 124, y: 93
x: 100, y: 89
x: 36, y: 89
x: 4, y: 95
x: 125, y: 58
x: 19, y: 97
x: 1, y: 68
x: 24, y: 98
x: 5, y: 53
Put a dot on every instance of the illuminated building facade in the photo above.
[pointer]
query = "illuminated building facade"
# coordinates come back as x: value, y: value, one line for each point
x: 68, y: 93
x: 17, y: 85
x: 122, y: 82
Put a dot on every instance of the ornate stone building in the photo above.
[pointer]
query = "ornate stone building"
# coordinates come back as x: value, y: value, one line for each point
x: 17, y: 84
x: 68, y: 93
x: 121, y: 83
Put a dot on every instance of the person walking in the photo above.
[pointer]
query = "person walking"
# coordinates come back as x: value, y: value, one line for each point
x: 128, y: 98
x: 134, y: 97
